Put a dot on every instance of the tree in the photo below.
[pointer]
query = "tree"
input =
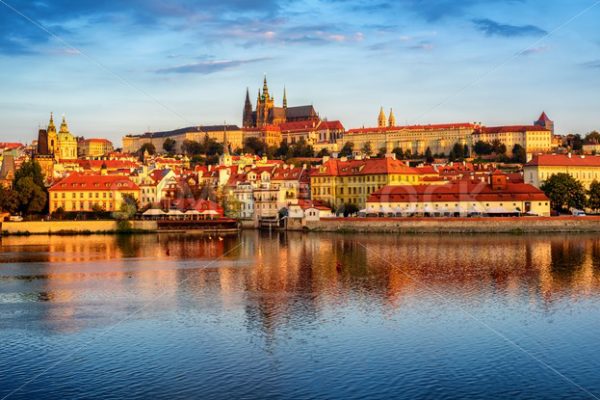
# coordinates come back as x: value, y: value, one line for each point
x: 482, y: 148
x: 283, y: 150
x: 9, y: 200
x: 466, y: 151
x: 347, y: 209
x: 592, y: 138
x: 498, y: 147
x: 428, y: 155
x: 32, y: 198
x: 254, y: 145
x: 576, y: 142
x: 30, y: 169
x: 129, y: 207
x: 347, y: 149
x: 301, y: 149
x: 147, y: 147
x: 323, y: 153
x: 169, y: 145
x: 519, y: 155
x: 456, y: 154
x: 398, y: 152
x: 564, y: 192
x: 594, y: 196
x: 367, y: 148
x: 192, y: 148
x: 382, y: 152
x: 213, y: 147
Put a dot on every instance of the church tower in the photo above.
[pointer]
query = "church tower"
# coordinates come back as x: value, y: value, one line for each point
x: 53, y: 147
x: 248, y: 120
x: 381, y: 120
x: 392, y: 119
x: 284, y: 98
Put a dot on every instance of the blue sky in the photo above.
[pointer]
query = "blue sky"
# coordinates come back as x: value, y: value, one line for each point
x: 118, y: 66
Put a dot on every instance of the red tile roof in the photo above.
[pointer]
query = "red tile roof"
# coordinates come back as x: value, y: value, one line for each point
x: 563, y: 160
x: 413, y: 127
x: 373, y: 166
x: 512, y: 128
x: 78, y: 182
x: 458, y: 191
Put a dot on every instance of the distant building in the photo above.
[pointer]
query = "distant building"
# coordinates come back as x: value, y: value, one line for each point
x: 228, y: 135
x: 82, y: 193
x: 496, y: 196
x: 7, y: 170
x: 534, y: 139
x: 95, y: 147
x: 545, y: 122
x: 585, y: 169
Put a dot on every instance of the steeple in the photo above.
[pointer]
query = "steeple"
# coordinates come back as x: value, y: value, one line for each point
x: 63, y: 126
x: 51, y: 127
x: 247, y: 116
x: 265, y: 88
x: 381, y: 120
x: 284, y: 98
x: 392, y: 119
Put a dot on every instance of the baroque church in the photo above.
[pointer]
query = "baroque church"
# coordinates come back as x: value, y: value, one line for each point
x: 266, y: 113
x: 62, y: 145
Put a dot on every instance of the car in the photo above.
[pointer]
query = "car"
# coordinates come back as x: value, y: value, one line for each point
x: 15, y: 218
x: 577, y: 213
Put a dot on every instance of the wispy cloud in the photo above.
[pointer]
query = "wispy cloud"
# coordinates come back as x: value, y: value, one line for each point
x: 207, y: 67
x: 534, y: 50
x: 595, y: 64
x: 492, y: 28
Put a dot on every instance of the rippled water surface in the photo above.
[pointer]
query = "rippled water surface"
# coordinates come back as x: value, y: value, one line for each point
x: 300, y: 316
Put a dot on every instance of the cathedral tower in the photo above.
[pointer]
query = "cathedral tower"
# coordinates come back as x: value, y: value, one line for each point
x: 52, y: 136
x: 392, y: 119
x: 381, y: 120
x: 248, y: 120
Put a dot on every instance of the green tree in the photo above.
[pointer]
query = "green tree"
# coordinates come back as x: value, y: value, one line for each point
x: 456, y: 154
x: 254, y: 145
x: 301, y: 149
x: 466, y: 151
x: 429, y: 155
x: 347, y: 149
x: 192, y: 148
x: 283, y: 150
x: 347, y: 209
x: 398, y: 152
x: 9, y: 200
x: 519, y: 155
x: 382, y: 152
x: 367, y: 148
x: 169, y: 145
x: 482, y: 148
x: 323, y: 153
x: 147, y: 147
x: 564, y: 192
x: 594, y: 196
x: 592, y: 138
x: 30, y: 169
x: 498, y: 147
x: 32, y: 198
x: 576, y: 142
x: 128, y: 209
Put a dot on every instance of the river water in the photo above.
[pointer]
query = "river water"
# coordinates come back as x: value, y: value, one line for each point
x: 297, y: 315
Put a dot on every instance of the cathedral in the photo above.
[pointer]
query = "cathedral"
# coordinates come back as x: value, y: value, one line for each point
x: 62, y: 145
x: 266, y: 113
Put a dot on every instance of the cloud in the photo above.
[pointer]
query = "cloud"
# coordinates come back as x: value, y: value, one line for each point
x: 207, y: 67
x: 492, y: 28
x: 595, y: 64
x: 534, y: 50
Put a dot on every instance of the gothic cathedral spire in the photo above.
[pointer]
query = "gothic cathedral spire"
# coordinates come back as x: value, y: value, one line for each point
x: 392, y: 118
x: 265, y: 87
x: 284, y: 98
x: 381, y: 120
x: 247, y: 117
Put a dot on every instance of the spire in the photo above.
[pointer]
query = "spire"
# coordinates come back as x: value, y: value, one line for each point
x: 392, y: 119
x: 51, y: 127
x: 381, y: 120
x: 265, y: 87
x: 63, y: 126
x: 225, y: 143
x: 284, y: 98
x: 247, y: 115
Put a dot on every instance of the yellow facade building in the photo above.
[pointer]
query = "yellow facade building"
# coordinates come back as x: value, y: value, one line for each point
x: 83, y: 193
x: 585, y: 169
x: 340, y: 181
x: 95, y: 147
x: 534, y: 139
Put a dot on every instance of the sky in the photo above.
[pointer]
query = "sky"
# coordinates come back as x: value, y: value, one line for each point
x: 117, y: 67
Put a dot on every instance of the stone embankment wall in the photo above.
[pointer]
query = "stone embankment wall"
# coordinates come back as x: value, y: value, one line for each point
x: 74, y: 227
x: 451, y: 225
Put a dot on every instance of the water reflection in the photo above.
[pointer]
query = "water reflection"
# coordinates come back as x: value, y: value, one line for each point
x: 283, y: 275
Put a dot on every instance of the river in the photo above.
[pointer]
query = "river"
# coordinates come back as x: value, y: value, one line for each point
x: 292, y: 315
